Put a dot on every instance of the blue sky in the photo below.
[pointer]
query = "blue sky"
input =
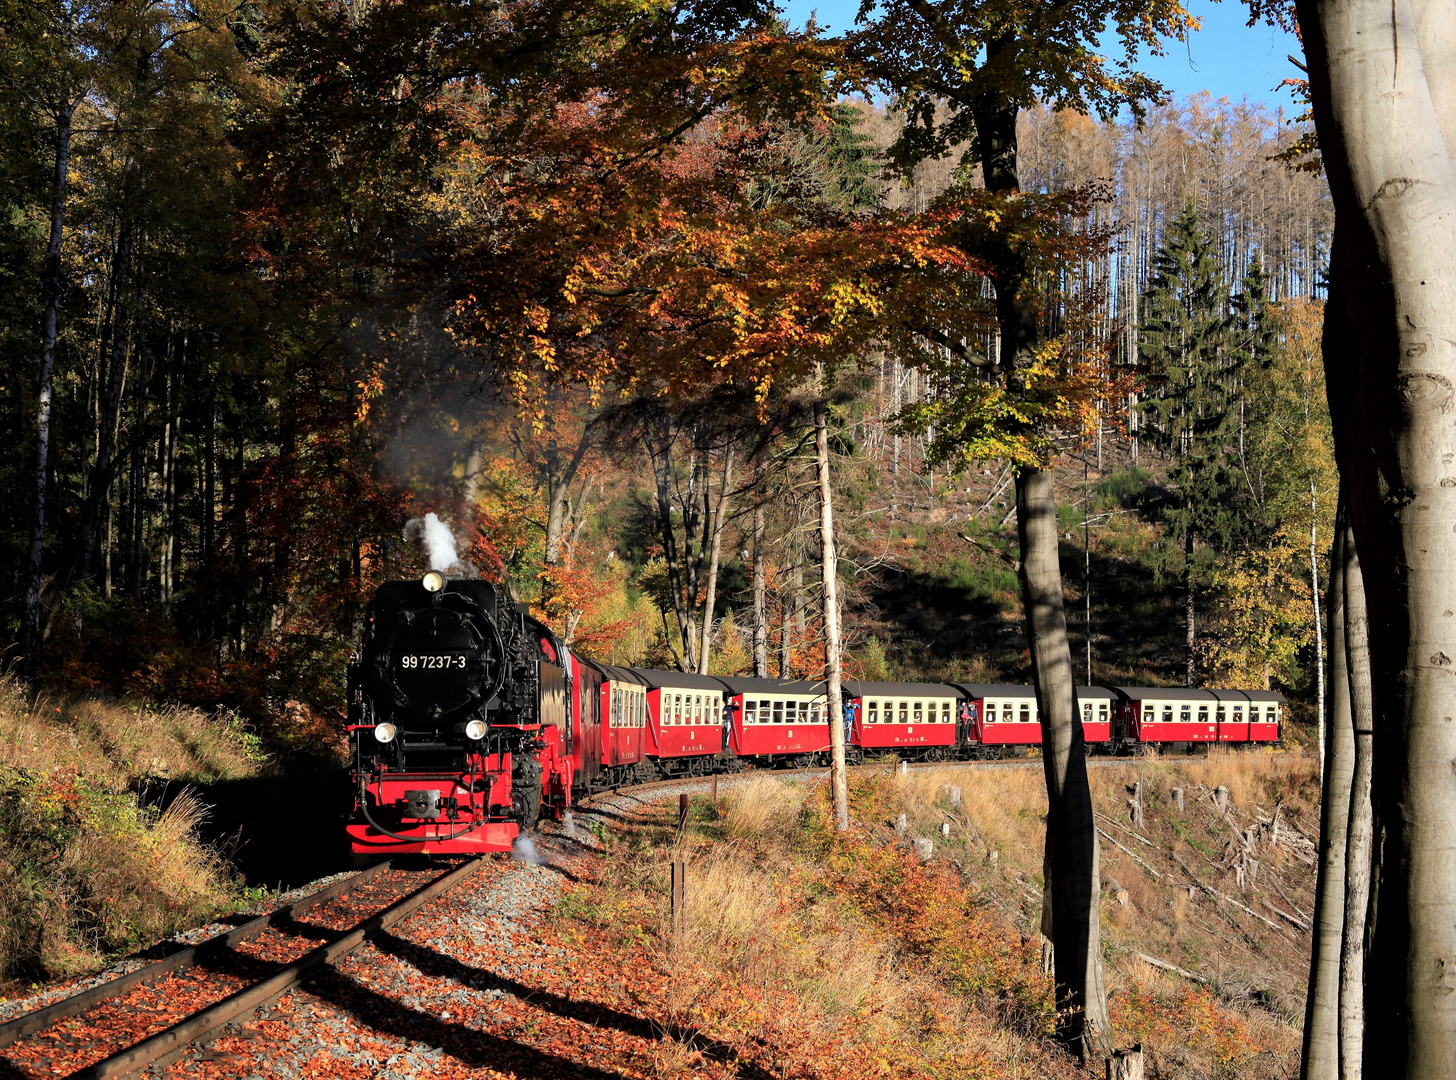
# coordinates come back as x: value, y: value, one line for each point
x: 1226, y: 58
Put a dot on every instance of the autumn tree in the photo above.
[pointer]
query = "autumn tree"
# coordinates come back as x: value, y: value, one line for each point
x: 961, y: 74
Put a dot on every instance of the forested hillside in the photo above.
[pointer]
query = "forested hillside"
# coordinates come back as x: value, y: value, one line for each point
x: 262, y: 319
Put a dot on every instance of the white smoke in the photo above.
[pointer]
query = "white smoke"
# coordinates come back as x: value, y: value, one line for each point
x: 523, y: 850
x: 438, y: 540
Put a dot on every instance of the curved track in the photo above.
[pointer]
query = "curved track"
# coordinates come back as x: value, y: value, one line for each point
x: 229, y: 983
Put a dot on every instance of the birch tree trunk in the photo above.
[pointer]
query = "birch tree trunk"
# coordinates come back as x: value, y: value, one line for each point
x: 50, y: 306
x: 1075, y: 875
x: 1358, y: 836
x: 1320, y: 1059
x: 838, y: 780
x: 1383, y: 86
x: 716, y: 544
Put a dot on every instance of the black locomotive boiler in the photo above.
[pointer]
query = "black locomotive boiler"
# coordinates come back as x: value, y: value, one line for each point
x: 453, y: 698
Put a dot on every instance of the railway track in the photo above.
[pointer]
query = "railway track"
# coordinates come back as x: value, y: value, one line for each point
x: 93, y: 1035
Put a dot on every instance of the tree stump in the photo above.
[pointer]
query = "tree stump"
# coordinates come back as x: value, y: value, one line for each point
x: 900, y: 825
x: 903, y: 768
x: 1126, y: 1064
x: 1178, y: 798
x: 945, y: 829
x: 1220, y: 799
x: 1135, y: 805
x: 953, y: 796
x: 923, y: 849
x: 994, y: 858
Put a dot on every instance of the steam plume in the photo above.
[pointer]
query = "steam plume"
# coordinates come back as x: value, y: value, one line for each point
x: 439, y: 543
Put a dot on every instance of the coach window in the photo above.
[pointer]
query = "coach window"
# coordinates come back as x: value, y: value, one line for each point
x: 1185, y: 713
x: 1087, y: 712
x: 1150, y: 713
x: 814, y: 713
x: 778, y: 712
x: 1271, y: 714
x: 904, y: 712
x: 917, y: 714
x: 1203, y: 714
x: 1102, y: 712
x: 990, y: 712
x: 1167, y: 714
x: 872, y: 714
x: 677, y: 704
x: 750, y: 711
x: 1220, y: 713
x: 945, y: 712
x: 1026, y: 712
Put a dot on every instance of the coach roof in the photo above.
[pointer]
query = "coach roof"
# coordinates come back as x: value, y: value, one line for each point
x: 855, y: 688
x: 744, y: 684
x: 687, y: 680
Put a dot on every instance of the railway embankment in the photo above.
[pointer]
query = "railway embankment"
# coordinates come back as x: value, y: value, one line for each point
x: 100, y: 845
x: 810, y: 953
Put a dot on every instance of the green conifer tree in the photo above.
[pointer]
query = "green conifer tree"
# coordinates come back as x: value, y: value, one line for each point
x: 1190, y: 344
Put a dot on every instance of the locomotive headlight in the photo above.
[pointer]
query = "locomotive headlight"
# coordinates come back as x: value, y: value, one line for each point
x: 434, y: 581
x: 385, y: 733
x: 475, y: 729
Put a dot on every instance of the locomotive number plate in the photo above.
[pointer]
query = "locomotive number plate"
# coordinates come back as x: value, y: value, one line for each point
x: 432, y: 661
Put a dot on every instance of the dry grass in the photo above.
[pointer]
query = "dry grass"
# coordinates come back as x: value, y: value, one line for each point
x: 760, y: 916
x: 86, y: 869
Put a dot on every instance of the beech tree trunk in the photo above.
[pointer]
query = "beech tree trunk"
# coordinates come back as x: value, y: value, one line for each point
x: 1358, y: 836
x: 1190, y: 632
x: 1075, y: 874
x: 1074, y: 877
x: 760, y: 594
x: 1320, y: 1059
x: 50, y: 305
x: 838, y: 780
x: 1383, y: 87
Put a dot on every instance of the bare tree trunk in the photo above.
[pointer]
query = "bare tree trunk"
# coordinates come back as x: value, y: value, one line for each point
x: 1189, y: 626
x: 50, y: 305
x: 1082, y: 1020
x: 838, y: 780
x: 719, y: 519
x: 1314, y: 591
x: 1359, y: 836
x: 760, y: 593
x: 1320, y: 1058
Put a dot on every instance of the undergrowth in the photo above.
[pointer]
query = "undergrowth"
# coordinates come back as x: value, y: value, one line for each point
x: 89, y: 869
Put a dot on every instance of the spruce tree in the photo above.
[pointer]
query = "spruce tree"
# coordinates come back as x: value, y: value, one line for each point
x: 1189, y: 344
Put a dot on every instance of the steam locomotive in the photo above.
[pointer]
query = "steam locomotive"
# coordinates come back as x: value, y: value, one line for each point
x: 468, y: 719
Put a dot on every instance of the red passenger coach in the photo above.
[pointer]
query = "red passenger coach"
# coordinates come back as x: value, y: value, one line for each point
x: 684, y: 720
x: 777, y: 723
x: 915, y: 720
x: 1174, y: 716
x: 624, y: 727
x: 1265, y: 707
x: 1003, y: 715
x: 1097, y: 704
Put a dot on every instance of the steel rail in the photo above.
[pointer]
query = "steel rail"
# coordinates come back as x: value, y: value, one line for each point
x: 184, y: 958
x: 200, y: 1025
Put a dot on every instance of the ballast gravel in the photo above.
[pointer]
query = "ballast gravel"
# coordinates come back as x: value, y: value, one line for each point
x: 469, y: 986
